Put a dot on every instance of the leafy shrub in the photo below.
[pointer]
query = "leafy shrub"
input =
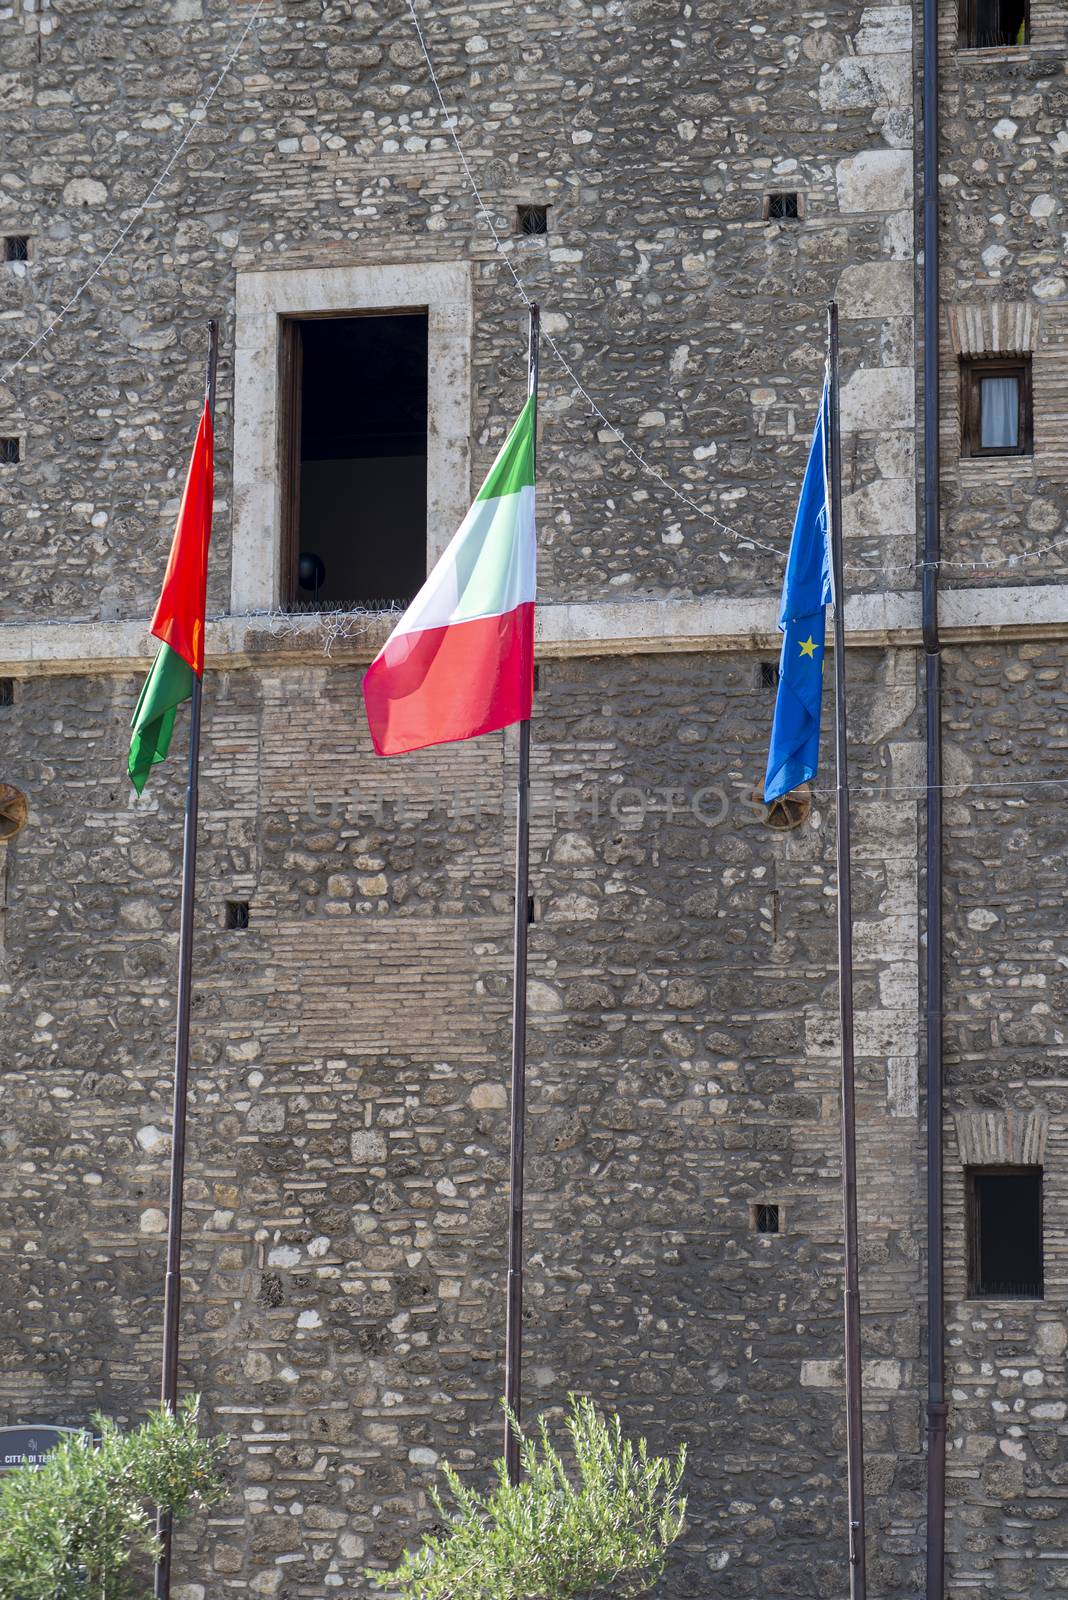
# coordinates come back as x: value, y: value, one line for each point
x: 70, y: 1528
x: 605, y: 1528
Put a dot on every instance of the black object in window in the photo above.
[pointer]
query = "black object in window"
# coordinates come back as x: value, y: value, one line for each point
x: 532, y: 219
x: 766, y: 1218
x: 769, y: 674
x: 997, y: 24
x: 9, y: 451
x: 236, y: 914
x: 997, y: 417
x: 781, y: 208
x: 16, y: 247
x: 354, y: 454
x: 1004, y: 1213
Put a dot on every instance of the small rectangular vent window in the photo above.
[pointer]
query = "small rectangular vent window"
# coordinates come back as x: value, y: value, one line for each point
x: 769, y: 674
x: 766, y: 1219
x: 1004, y: 1212
x: 10, y: 452
x: 16, y: 247
x: 532, y: 219
x: 236, y: 914
x: 7, y: 691
x: 782, y: 207
x: 994, y: 24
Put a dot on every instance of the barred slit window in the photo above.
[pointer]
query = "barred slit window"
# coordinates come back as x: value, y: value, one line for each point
x: 532, y: 219
x: 1004, y: 1220
x: 994, y: 24
x: 10, y: 452
x: 996, y: 412
x: 16, y: 247
x: 783, y: 207
x: 766, y: 1218
x: 235, y: 915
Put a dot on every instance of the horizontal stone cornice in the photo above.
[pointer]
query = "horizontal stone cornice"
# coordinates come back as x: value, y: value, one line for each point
x: 586, y: 628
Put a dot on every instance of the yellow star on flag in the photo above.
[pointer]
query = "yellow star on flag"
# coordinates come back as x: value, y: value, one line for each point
x: 808, y: 647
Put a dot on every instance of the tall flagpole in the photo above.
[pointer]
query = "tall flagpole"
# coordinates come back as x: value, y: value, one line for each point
x: 173, y: 1291
x: 854, y: 1396
x: 513, y: 1339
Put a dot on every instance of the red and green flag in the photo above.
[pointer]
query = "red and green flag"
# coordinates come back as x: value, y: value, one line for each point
x: 179, y: 618
x: 460, y: 662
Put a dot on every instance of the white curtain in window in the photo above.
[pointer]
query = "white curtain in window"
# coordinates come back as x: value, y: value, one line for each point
x: 1000, y: 413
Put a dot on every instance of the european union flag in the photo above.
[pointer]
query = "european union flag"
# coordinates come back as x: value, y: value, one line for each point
x: 795, y: 733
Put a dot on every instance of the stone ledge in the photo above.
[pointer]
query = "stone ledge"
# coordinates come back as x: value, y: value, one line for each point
x: 591, y: 628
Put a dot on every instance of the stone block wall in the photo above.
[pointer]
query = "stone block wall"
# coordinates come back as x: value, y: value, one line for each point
x: 348, y: 1140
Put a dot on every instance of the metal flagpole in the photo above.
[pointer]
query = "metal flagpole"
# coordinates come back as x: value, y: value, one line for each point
x: 854, y: 1396
x: 173, y: 1291
x: 513, y: 1340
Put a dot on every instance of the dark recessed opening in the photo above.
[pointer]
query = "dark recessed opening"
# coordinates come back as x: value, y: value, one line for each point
x: 7, y: 691
x: 9, y: 451
x: 356, y: 451
x: 235, y: 914
x: 532, y: 219
x: 1004, y: 1208
x: 781, y: 207
x: 769, y: 674
x: 16, y: 247
x: 766, y: 1218
x: 986, y: 24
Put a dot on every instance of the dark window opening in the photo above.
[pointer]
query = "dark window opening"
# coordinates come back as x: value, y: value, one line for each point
x: 7, y: 691
x: 997, y: 418
x: 986, y: 24
x: 16, y: 247
x: 235, y: 914
x: 769, y: 674
x: 354, y: 459
x: 781, y: 208
x: 766, y: 1219
x: 532, y: 219
x: 1004, y: 1208
x: 10, y: 451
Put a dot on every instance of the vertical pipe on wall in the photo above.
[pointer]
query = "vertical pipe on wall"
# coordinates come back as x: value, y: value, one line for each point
x: 936, y: 1387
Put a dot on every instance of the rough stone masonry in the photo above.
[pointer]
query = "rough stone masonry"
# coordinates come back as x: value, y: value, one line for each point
x: 345, y: 1223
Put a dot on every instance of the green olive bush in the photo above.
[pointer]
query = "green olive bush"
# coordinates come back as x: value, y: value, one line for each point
x: 70, y: 1529
x: 602, y: 1528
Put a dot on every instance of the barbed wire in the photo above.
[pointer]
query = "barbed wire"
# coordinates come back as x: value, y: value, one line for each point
x: 196, y: 117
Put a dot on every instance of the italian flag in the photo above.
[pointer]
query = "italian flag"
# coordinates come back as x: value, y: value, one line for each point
x: 179, y: 618
x: 461, y: 660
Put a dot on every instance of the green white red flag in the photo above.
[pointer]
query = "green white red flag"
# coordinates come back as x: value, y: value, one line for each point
x: 461, y: 660
x: 179, y: 618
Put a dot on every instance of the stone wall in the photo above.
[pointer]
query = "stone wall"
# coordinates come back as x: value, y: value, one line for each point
x: 347, y: 1183
x: 343, y: 1309
x: 654, y: 132
x: 1005, y: 998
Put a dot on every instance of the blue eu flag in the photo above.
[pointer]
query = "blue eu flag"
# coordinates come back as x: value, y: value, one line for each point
x: 795, y: 733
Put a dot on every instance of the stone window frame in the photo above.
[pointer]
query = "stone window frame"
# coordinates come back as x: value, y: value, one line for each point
x: 265, y: 300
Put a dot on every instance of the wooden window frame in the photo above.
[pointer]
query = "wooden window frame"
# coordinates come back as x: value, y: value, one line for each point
x: 972, y: 1230
x: 968, y: 25
x: 972, y: 371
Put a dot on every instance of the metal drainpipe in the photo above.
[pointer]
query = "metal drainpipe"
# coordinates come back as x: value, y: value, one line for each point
x: 936, y: 1372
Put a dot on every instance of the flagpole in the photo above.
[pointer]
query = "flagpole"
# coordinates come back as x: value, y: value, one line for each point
x: 854, y: 1395
x: 173, y: 1289
x: 513, y: 1339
